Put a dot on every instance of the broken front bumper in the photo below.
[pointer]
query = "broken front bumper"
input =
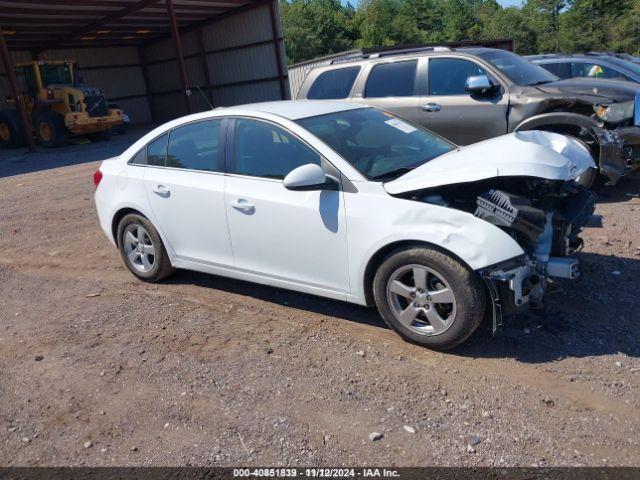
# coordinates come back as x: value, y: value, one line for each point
x: 619, y: 151
x: 521, y: 281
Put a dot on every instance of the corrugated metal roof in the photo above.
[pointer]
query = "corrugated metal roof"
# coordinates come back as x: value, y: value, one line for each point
x: 46, y: 24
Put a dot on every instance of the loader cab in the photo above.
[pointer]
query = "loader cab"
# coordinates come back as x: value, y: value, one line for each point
x: 35, y: 77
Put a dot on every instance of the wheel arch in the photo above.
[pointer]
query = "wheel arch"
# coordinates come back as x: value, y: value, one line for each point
x: 117, y: 218
x: 383, y: 252
x: 566, y: 119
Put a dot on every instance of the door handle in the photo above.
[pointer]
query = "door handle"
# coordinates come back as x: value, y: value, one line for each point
x: 162, y: 191
x: 431, y: 107
x: 243, y: 205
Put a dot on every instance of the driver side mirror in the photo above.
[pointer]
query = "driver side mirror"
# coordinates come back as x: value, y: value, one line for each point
x: 480, y: 85
x: 309, y: 177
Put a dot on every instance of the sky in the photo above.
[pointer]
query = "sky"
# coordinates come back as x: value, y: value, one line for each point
x: 509, y: 3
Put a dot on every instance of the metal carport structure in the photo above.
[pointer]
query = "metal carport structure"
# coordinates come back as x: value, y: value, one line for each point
x: 148, y: 56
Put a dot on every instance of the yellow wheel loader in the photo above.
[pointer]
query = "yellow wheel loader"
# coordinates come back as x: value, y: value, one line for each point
x: 58, y: 105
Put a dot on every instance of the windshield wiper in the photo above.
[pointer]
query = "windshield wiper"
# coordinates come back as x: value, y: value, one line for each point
x: 394, y: 172
x: 541, y: 82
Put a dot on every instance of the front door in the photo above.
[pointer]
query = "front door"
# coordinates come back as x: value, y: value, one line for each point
x: 295, y: 236
x: 185, y: 187
x: 452, y: 112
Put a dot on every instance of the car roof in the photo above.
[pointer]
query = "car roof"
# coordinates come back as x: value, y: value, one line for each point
x: 297, y: 109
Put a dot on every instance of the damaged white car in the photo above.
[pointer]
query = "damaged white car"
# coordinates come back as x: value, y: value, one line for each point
x: 352, y: 203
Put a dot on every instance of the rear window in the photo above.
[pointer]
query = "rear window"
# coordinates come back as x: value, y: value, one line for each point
x: 157, y: 151
x: 391, y: 80
x: 333, y: 84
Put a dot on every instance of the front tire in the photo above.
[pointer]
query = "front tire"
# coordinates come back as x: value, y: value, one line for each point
x: 50, y: 130
x: 428, y: 297
x: 142, y: 249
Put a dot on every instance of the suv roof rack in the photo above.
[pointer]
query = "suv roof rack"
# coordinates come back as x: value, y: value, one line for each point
x: 376, y: 52
x: 388, y: 51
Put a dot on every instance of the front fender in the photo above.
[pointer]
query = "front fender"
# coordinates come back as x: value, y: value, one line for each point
x: 558, y: 118
x: 477, y: 243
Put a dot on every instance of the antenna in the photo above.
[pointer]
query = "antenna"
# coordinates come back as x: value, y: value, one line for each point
x: 205, y: 97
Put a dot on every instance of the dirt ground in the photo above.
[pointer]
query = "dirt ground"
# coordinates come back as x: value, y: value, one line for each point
x: 97, y: 368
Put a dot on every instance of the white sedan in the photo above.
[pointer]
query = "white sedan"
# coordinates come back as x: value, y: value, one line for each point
x: 355, y: 204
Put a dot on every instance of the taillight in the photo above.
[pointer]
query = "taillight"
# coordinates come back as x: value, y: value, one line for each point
x: 97, y: 176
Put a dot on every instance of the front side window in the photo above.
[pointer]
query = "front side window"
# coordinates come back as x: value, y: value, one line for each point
x: 195, y: 146
x: 263, y: 149
x: 333, y: 84
x: 391, y: 80
x: 157, y: 151
x: 448, y: 76
x: 379, y: 145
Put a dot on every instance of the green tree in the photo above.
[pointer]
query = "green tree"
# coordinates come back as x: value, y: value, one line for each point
x: 316, y: 27
x: 544, y: 17
x: 512, y: 23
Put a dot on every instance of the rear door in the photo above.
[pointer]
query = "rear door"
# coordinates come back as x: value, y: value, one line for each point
x: 450, y: 111
x: 392, y: 86
x: 184, y: 182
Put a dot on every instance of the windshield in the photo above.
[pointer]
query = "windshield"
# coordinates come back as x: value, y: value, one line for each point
x: 517, y: 69
x: 55, y: 74
x: 378, y: 144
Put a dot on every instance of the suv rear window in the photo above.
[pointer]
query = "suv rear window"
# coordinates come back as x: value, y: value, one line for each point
x: 391, y: 80
x: 333, y: 84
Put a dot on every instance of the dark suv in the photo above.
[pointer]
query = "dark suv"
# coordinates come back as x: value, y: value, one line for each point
x: 589, y: 65
x: 471, y: 94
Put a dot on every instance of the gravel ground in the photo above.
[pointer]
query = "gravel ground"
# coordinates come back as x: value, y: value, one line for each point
x: 97, y: 368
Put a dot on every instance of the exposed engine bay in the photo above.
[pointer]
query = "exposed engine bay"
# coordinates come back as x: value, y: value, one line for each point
x: 544, y: 216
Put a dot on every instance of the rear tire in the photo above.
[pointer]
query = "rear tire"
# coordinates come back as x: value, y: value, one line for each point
x: 50, y: 130
x: 11, y: 133
x: 142, y: 249
x: 428, y: 297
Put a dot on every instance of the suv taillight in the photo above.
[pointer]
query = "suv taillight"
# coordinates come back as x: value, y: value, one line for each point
x: 97, y: 176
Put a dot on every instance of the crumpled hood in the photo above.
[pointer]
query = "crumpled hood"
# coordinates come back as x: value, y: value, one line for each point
x: 598, y: 90
x: 522, y: 154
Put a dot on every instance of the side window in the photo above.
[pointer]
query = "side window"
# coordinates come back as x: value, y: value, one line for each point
x: 266, y: 150
x: 448, y: 76
x: 593, y: 70
x: 157, y: 151
x: 195, y: 146
x: 562, y: 70
x: 391, y: 80
x: 333, y: 84
x: 140, y: 158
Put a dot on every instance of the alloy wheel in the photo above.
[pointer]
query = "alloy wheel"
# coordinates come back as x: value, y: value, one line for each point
x: 139, y: 248
x: 421, y: 299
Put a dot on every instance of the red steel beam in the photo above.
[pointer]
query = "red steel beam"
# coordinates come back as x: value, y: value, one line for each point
x: 104, y: 21
x: 13, y: 85
x: 175, y: 34
x: 278, y: 51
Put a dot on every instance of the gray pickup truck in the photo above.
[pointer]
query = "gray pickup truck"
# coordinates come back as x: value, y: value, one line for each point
x: 471, y: 94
